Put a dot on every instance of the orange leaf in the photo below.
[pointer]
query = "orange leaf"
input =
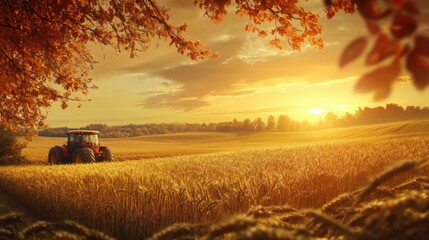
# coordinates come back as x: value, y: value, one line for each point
x: 276, y: 43
x: 373, y: 28
x: 379, y: 80
x: 403, y: 26
x: 370, y: 9
x: 418, y: 65
x: 383, y: 48
x: 64, y: 105
x: 422, y: 45
x: 398, y: 3
x: 410, y: 7
x: 328, y: 3
x: 221, y: 3
x: 382, y: 93
x: 353, y: 51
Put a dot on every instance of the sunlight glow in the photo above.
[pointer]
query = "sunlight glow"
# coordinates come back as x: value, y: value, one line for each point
x: 316, y: 111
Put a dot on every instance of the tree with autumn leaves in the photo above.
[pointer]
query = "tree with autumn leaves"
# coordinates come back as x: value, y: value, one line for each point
x: 44, y: 56
x: 399, y: 44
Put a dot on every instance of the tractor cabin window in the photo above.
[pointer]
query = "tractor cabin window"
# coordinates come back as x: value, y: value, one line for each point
x: 90, y: 139
x: 78, y: 139
x: 71, y: 138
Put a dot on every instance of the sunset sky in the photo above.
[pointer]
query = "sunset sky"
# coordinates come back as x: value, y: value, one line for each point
x: 250, y: 79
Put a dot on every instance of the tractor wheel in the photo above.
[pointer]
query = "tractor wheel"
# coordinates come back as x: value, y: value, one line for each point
x: 107, y: 155
x: 56, y: 156
x: 83, y: 155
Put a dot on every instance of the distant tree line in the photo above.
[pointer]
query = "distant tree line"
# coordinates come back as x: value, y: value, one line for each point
x: 133, y: 130
x: 283, y: 123
x: 390, y: 113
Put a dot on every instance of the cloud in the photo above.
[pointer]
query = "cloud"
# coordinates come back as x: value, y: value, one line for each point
x: 263, y: 110
x: 246, y: 64
x: 174, y: 101
x: 152, y: 92
x: 230, y: 78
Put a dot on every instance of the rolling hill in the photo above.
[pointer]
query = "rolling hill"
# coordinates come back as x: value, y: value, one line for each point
x: 164, y: 145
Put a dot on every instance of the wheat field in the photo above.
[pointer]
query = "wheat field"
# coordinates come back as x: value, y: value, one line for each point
x: 395, y: 213
x: 135, y: 199
x: 167, y: 145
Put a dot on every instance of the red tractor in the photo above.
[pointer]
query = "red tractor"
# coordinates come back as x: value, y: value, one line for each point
x: 82, y: 147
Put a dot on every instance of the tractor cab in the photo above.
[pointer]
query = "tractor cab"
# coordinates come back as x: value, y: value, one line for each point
x: 82, y: 147
x: 82, y: 138
x: 78, y: 138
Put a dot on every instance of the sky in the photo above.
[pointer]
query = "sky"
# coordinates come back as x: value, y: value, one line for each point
x: 251, y: 78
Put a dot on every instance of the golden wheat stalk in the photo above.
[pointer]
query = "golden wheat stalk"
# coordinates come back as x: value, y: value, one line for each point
x: 177, y: 231
x: 261, y: 231
x: 342, y: 199
x: 234, y: 224
x: 416, y: 184
x: 264, y: 212
x: 333, y: 224
x: 385, y: 176
x: 34, y: 229
x: 10, y: 219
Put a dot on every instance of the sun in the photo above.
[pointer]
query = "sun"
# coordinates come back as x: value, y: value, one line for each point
x: 316, y: 111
